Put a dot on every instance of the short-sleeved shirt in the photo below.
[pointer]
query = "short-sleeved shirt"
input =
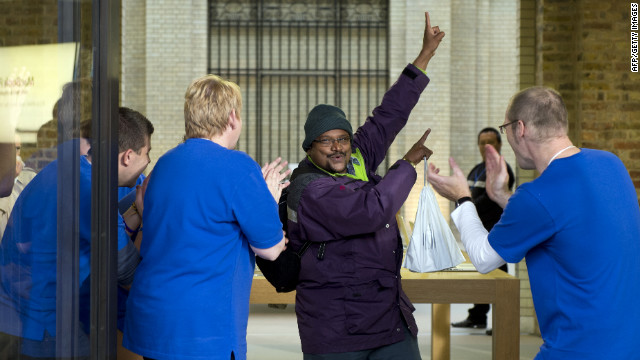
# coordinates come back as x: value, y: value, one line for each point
x: 578, y: 225
x: 29, y: 256
x: 204, y: 206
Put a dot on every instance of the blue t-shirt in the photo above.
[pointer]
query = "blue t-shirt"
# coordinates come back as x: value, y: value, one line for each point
x: 204, y: 206
x: 578, y: 225
x: 29, y: 255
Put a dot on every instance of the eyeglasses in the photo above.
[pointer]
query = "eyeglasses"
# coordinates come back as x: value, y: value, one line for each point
x: 326, y: 142
x: 501, y: 127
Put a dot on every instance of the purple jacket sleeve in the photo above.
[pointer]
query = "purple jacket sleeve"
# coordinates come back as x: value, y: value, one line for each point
x: 375, y: 136
x: 340, y: 208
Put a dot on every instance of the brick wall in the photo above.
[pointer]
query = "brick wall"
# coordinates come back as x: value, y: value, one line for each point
x: 527, y: 58
x: 584, y: 52
x: 28, y: 22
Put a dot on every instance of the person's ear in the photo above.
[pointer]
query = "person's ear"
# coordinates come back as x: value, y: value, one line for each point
x: 234, y: 120
x: 125, y: 157
x: 520, y: 129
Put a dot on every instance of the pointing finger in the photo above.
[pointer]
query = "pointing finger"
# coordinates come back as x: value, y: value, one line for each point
x: 424, y: 137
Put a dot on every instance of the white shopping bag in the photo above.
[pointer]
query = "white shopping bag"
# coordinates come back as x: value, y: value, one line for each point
x: 433, y: 246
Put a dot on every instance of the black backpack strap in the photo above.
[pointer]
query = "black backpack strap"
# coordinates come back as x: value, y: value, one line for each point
x: 296, y: 187
x: 305, y: 168
x: 282, y: 208
x: 305, y: 173
x: 304, y: 248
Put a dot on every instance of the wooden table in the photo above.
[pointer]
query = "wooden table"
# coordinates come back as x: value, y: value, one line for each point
x: 441, y: 289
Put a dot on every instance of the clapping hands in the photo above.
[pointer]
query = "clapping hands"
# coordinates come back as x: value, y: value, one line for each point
x: 497, y: 183
x: 274, y: 177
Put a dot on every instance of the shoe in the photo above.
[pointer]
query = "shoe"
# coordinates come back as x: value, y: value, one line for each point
x: 466, y: 323
x: 277, y: 306
x: 489, y: 332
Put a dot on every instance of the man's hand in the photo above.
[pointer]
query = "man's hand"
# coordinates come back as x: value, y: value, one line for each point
x: 274, y: 177
x: 133, y: 216
x: 140, y: 191
x: 497, y: 183
x: 430, y: 41
x: 418, y: 151
x: 451, y: 187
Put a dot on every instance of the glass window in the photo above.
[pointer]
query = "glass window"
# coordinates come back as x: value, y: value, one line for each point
x: 46, y: 92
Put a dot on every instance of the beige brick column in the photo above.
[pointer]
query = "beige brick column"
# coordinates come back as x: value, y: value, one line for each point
x: 172, y: 53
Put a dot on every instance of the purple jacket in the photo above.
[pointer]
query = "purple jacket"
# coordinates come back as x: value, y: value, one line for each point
x: 349, y: 297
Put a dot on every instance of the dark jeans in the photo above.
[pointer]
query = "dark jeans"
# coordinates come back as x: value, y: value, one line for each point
x: 478, y: 313
x: 404, y: 350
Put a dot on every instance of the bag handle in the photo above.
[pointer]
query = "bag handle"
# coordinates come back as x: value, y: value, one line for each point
x: 424, y: 183
x: 303, y: 249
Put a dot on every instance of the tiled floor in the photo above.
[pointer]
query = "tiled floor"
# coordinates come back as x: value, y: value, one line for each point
x: 272, y: 334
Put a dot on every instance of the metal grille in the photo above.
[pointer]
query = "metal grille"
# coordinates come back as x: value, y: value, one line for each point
x: 288, y: 56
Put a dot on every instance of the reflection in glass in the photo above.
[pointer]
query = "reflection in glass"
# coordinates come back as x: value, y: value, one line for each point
x: 45, y: 208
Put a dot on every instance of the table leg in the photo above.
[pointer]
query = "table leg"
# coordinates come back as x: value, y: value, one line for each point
x: 440, y: 332
x: 506, y: 321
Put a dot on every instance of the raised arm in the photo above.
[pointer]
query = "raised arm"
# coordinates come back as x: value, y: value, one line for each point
x: 377, y: 134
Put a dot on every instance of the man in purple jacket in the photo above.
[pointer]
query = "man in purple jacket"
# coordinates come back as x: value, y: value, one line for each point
x: 349, y: 302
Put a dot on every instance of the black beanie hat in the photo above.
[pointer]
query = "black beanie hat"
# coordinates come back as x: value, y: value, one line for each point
x: 321, y: 119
